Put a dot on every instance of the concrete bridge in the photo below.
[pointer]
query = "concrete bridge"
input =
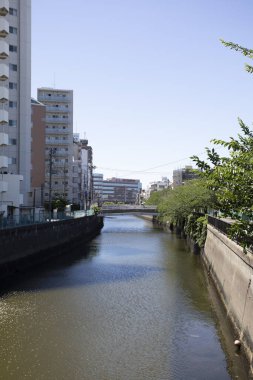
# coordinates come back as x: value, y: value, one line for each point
x: 129, y: 209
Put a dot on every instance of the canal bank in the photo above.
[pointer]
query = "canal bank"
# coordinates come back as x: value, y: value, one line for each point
x: 25, y: 246
x: 232, y: 271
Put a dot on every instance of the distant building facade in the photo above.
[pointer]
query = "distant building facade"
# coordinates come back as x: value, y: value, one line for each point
x: 83, y: 192
x: 58, y: 142
x: 182, y: 175
x: 158, y: 186
x: 98, y: 180
x: 121, y: 190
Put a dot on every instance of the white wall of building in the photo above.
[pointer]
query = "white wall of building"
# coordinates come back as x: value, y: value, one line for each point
x: 10, y: 192
x: 15, y: 93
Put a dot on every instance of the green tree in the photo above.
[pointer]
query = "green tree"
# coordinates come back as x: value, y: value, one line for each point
x: 194, y: 196
x: 231, y: 178
x: 157, y: 197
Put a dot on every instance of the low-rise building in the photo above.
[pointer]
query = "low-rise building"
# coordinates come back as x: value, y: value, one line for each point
x: 121, y: 190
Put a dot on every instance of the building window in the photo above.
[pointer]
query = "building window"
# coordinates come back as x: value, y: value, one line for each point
x: 13, y: 104
x: 13, y: 48
x: 13, y: 30
x: 13, y: 86
x: 12, y: 141
x: 13, y: 67
x: 13, y: 11
x: 12, y: 123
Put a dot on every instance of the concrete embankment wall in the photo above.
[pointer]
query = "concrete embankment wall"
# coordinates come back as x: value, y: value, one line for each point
x: 28, y: 245
x: 232, y: 271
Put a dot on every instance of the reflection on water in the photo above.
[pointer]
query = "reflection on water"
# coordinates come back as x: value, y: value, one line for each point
x: 133, y: 304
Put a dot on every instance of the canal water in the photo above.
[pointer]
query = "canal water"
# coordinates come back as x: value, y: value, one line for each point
x: 134, y: 304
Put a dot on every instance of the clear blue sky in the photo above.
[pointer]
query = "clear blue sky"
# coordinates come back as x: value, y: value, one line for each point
x: 152, y: 83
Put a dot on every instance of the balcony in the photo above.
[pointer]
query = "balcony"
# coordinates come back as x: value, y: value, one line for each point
x: 54, y: 98
x: 4, y: 139
x: 4, y: 72
x: 4, y: 50
x: 57, y: 109
x: 57, y: 120
x: 4, y: 95
x: 3, y: 187
x: 4, y: 117
x: 62, y: 153
x: 57, y: 131
x: 4, y: 27
x: 4, y: 7
x: 3, y: 162
x: 57, y: 142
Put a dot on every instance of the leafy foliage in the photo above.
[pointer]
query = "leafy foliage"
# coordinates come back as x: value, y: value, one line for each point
x: 183, y: 200
x: 231, y: 178
x: 246, y: 52
x: 175, y: 205
x: 157, y: 197
x: 196, y: 228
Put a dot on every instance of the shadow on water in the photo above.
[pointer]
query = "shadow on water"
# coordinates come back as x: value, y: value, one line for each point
x: 73, y: 269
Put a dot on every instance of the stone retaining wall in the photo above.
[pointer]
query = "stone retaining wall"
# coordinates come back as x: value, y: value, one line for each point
x: 232, y: 271
x: 25, y: 246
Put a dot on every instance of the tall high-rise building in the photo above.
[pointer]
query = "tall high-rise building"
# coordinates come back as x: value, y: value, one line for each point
x: 58, y: 143
x: 15, y: 103
x: 38, y: 152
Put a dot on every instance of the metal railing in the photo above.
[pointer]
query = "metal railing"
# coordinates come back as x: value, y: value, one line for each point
x: 26, y: 220
x: 222, y: 225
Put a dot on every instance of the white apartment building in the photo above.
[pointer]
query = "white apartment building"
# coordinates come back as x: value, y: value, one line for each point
x: 15, y: 104
x: 158, y: 186
x: 59, y: 142
x: 82, y: 173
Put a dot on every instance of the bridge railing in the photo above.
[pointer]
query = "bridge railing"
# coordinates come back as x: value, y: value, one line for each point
x: 127, y: 207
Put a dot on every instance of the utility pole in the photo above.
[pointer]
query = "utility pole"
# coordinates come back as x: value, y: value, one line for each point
x: 51, y: 154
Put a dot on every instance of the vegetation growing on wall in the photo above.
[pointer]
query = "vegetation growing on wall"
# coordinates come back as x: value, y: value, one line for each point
x: 196, y: 228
